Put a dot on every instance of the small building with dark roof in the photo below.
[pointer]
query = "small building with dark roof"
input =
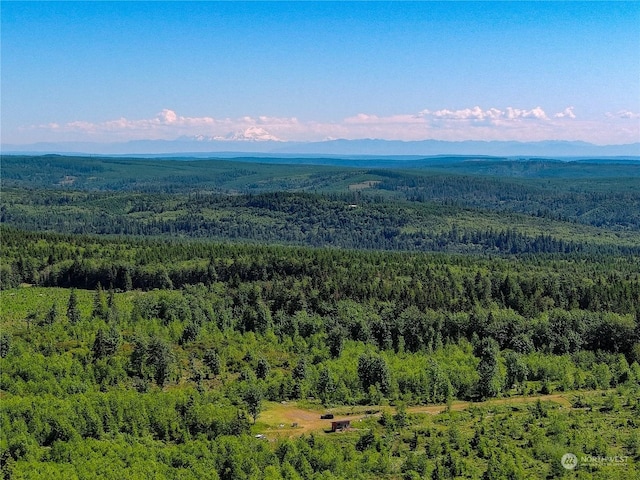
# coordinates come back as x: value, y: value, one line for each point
x: 340, y: 425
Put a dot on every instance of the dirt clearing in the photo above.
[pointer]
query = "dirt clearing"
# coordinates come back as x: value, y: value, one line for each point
x: 287, y: 419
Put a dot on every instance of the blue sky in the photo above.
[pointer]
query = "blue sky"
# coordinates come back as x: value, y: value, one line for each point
x: 306, y: 71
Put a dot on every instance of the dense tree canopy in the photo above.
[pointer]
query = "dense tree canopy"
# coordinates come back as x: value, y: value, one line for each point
x: 164, y: 355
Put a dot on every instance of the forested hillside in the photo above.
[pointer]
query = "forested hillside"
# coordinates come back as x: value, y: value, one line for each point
x: 353, y: 221
x: 182, y: 330
x: 601, y: 193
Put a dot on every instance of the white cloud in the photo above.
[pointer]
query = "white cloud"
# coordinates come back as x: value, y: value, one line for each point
x: 538, y: 113
x: 168, y: 116
x: 477, y: 114
x: 365, y: 119
x: 624, y: 114
x: 566, y: 113
x: 474, y: 123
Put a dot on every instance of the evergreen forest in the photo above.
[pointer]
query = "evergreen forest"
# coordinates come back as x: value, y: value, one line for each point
x: 209, y: 319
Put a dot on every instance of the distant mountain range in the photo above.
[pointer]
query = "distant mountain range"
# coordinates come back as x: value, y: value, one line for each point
x: 199, y: 146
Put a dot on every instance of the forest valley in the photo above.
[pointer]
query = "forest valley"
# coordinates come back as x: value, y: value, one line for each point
x: 181, y: 353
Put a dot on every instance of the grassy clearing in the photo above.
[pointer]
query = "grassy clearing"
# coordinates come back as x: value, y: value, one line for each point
x: 296, y: 418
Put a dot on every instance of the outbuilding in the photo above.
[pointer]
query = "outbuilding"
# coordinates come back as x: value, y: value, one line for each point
x: 340, y: 425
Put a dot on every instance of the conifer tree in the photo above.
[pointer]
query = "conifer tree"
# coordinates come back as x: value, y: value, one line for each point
x: 51, y: 316
x: 73, y: 312
x: 488, y: 384
x: 100, y: 309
